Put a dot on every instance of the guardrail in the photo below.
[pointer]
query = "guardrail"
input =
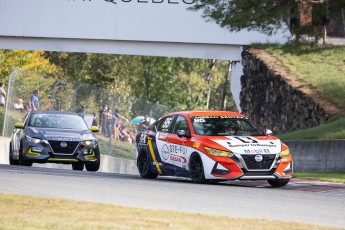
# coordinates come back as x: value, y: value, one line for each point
x: 309, y: 156
x: 318, y: 155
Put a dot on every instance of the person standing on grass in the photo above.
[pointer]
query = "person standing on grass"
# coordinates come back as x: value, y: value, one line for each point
x: 2, y: 94
x: 34, y: 100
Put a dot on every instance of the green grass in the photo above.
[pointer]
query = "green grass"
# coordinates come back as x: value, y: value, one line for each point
x: 13, y: 117
x: 118, y: 148
x: 337, y: 177
x: 27, y: 212
x: 322, y: 67
x: 334, y: 129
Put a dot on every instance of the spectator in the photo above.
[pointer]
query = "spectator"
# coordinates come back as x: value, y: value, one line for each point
x: 94, y: 121
x: 107, y: 120
x: 144, y: 123
x: 27, y: 107
x: 118, y: 116
x: 117, y: 132
x: 18, y: 105
x: 103, y: 120
x: 34, y: 100
x: 81, y: 111
x: 117, y: 124
x: 320, y: 17
x: 126, y: 136
x: 2, y: 94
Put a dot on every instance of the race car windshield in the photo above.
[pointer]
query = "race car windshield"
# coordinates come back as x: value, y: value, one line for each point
x: 225, y: 126
x: 58, y: 121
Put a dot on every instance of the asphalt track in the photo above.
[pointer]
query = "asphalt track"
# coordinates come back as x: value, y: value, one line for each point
x: 300, y: 201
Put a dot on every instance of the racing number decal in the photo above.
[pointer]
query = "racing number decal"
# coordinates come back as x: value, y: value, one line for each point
x: 149, y: 144
x: 249, y: 139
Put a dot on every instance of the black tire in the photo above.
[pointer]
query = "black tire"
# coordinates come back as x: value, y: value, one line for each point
x: 278, y: 182
x: 94, y: 166
x: 196, y: 169
x: 78, y: 166
x: 143, y: 165
x: 10, y: 156
x: 23, y: 161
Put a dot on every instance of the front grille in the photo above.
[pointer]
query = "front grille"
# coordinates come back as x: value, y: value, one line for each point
x: 266, y: 162
x: 69, y: 149
x: 258, y: 173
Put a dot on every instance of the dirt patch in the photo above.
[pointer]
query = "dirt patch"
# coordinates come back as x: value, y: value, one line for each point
x: 276, y: 65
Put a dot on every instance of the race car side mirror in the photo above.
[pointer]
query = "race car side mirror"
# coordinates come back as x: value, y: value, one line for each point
x: 94, y: 129
x: 268, y: 132
x: 183, y: 133
x: 19, y: 125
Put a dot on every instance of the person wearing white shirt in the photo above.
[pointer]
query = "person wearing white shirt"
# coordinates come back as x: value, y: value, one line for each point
x: 2, y: 94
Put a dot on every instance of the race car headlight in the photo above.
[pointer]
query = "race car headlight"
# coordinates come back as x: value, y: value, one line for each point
x: 88, y: 142
x: 33, y: 140
x: 284, y: 153
x: 218, y: 153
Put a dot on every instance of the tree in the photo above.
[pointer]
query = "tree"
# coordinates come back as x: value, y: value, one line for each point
x: 264, y: 15
x: 267, y: 16
x: 34, y: 72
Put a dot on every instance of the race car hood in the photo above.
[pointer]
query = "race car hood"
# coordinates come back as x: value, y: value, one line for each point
x: 249, y: 144
x: 60, y: 134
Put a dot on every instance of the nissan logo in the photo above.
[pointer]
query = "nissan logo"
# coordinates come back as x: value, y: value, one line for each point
x: 258, y: 158
x: 63, y: 144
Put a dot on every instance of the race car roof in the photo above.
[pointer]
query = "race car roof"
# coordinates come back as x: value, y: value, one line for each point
x: 208, y: 113
x: 51, y: 112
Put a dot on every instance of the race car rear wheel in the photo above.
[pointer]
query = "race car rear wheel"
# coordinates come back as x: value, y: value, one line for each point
x: 78, y: 166
x: 21, y: 160
x: 278, y: 182
x: 196, y: 169
x: 143, y: 165
x: 94, y: 166
x: 10, y: 156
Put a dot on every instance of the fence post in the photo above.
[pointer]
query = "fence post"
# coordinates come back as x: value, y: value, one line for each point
x: 7, y: 101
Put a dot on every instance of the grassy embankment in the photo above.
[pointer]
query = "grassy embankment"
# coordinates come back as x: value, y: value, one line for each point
x: 323, y: 68
x: 26, y: 212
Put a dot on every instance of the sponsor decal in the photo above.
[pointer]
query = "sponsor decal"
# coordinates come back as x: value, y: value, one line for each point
x: 196, y: 144
x: 202, y: 118
x: 178, y: 149
x: 162, y: 136
x: 159, y: 164
x: 250, y: 145
x: 174, y: 152
x: 165, y: 152
x: 175, y: 158
x: 256, y: 151
x: 61, y: 138
x: 167, y: 123
x: 199, y: 120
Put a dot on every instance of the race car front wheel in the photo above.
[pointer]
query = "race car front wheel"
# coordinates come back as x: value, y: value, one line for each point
x: 143, y: 165
x: 94, y: 166
x: 196, y: 169
x: 278, y: 182
x: 22, y: 161
x: 11, y: 160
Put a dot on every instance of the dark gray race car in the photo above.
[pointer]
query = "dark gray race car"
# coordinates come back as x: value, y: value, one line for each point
x: 55, y: 137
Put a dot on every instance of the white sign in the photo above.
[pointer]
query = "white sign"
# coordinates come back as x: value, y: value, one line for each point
x: 159, y: 21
